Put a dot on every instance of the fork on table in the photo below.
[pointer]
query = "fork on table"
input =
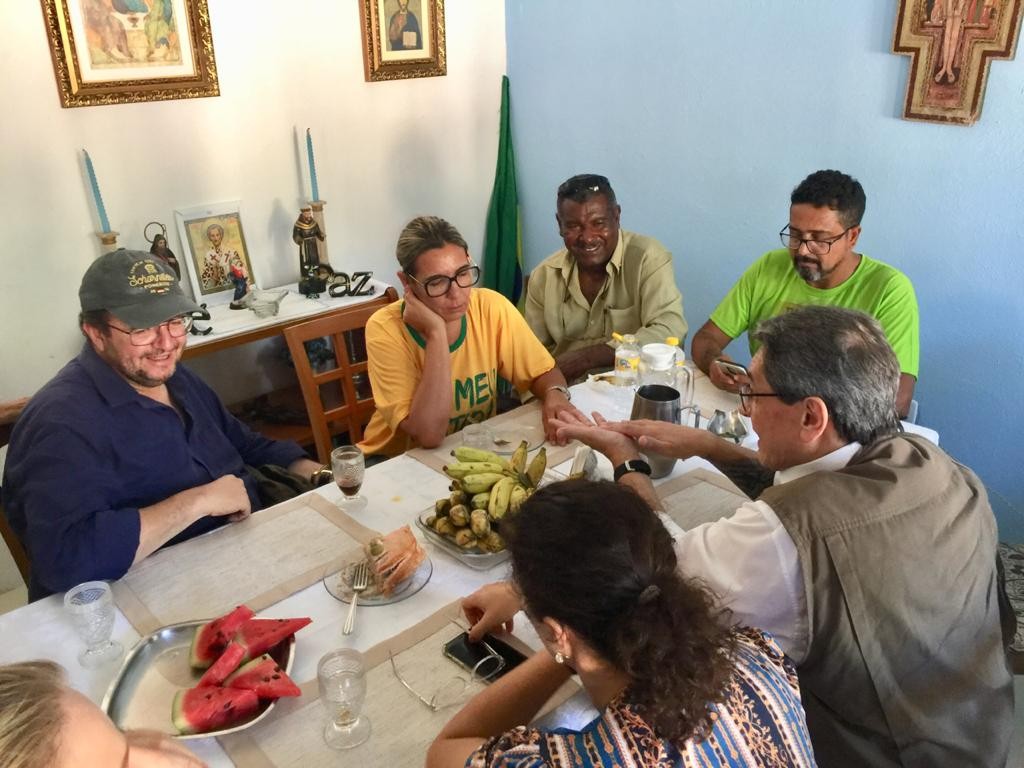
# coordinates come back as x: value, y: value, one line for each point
x: 360, y: 581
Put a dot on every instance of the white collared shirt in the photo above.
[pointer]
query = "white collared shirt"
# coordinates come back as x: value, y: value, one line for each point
x: 751, y: 563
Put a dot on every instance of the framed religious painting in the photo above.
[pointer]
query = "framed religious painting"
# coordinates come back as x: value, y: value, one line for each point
x: 402, y: 39
x: 214, y: 252
x: 122, y: 51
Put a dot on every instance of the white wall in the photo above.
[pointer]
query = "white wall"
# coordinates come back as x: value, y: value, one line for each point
x: 385, y: 152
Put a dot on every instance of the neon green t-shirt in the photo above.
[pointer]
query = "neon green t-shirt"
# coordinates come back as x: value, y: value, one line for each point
x: 495, y: 341
x: 771, y: 285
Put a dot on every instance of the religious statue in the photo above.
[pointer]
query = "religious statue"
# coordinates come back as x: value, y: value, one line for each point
x: 158, y: 247
x: 306, y: 233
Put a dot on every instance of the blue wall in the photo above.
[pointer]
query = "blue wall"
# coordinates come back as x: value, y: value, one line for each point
x: 706, y: 115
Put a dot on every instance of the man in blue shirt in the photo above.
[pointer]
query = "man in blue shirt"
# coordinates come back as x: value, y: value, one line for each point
x: 122, y: 452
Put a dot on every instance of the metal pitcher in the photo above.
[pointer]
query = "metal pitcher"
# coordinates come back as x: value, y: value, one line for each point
x: 660, y: 403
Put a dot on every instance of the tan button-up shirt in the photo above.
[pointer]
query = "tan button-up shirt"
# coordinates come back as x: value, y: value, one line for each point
x: 639, y: 297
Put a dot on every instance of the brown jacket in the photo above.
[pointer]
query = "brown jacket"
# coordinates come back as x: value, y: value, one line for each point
x: 905, y: 662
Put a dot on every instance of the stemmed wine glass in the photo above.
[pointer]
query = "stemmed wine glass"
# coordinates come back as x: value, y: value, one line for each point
x: 341, y: 676
x: 92, y: 610
x: 348, y: 466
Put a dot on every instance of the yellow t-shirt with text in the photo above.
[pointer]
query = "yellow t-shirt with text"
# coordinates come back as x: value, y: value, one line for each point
x: 495, y: 341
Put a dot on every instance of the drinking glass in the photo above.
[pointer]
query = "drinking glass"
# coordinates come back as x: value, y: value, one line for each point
x: 341, y: 675
x: 92, y: 611
x: 349, y: 467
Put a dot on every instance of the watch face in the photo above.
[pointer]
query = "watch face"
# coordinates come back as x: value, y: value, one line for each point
x: 632, y: 465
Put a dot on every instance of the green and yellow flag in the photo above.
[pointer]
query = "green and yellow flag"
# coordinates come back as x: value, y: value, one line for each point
x: 503, y: 250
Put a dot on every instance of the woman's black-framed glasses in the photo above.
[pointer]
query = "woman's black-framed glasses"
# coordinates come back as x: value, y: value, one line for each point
x: 747, y: 396
x: 815, y: 247
x: 439, y: 285
x: 140, y: 337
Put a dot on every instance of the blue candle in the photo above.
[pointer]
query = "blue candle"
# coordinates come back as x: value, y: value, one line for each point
x: 312, y: 166
x: 104, y: 223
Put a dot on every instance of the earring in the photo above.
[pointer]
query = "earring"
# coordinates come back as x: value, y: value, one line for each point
x: 560, y: 658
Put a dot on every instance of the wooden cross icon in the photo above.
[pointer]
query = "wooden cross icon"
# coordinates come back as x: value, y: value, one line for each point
x: 951, y: 44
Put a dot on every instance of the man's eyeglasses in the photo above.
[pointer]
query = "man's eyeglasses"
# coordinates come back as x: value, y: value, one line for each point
x: 140, y: 337
x: 439, y: 285
x: 747, y: 396
x: 453, y: 690
x: 793, y: 241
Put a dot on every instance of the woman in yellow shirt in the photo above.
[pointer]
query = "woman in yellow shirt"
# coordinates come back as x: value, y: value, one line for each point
x: 435, y: 357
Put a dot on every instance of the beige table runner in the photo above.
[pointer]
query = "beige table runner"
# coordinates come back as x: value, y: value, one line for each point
x: 698, y: 497
x: 528, y: 415
x: 403, y: 727
x: 258, y: 562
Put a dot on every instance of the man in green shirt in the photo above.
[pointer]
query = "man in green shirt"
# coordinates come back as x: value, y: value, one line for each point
x: 604, y: 281
x: 817, y: 266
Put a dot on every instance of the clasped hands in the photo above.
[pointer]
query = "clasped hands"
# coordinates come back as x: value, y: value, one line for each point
x: 624, y: 440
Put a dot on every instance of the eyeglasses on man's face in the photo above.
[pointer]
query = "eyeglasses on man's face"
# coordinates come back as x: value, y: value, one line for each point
x: 793, y: 241
x: 140, y: 337
x: 439, y: 285
x: 747, y: 396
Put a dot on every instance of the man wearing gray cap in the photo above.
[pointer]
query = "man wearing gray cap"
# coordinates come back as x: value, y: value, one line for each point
x: 123, y: 452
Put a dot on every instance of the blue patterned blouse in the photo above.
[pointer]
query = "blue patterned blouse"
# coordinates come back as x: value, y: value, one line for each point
x: 760, y: 722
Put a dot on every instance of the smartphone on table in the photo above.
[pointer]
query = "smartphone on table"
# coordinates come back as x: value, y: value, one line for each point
x: 472, y: 656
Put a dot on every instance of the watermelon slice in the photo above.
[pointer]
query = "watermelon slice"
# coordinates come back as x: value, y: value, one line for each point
x: 213, y: 637
x: 224, y: 666
x: 200, y: 710
x: 260, y: 635
x: 264, y: 676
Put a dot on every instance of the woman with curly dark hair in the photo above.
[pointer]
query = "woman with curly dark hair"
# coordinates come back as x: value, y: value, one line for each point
x: 595, y: 571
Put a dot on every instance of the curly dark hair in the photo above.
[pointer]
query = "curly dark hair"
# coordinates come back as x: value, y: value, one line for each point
x: 835, y: 190
x: 587, y: 554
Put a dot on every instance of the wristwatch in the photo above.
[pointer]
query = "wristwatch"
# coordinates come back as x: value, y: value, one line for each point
x: 564, y: 390
x: 632, y: 465
x: 321, y: 476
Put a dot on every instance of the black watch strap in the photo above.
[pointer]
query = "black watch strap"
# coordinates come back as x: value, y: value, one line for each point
x: 632, y: 465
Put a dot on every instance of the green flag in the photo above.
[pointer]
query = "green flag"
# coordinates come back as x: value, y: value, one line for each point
x: 503, y: 252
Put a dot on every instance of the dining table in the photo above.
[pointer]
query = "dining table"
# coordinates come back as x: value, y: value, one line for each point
x: 276, y: 561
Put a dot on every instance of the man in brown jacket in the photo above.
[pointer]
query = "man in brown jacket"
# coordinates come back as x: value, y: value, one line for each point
x: 869, y: 554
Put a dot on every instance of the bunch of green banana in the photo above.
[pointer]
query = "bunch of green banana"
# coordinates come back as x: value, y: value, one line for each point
x: 485, y: 489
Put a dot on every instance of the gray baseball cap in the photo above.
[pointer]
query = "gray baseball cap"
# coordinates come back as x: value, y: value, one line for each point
x: 136, y: 288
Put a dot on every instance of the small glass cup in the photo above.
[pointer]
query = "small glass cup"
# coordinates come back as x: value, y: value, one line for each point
x: 349, y: 467
x: 91, y: 607
x: 478, y: 436
x: 341, y: 676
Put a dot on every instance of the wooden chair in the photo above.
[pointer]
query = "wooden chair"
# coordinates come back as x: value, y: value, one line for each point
x: 9, y: 413
x: 333, y: 401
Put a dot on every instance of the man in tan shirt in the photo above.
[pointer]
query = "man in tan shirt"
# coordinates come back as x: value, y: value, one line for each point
x: 604, y: 281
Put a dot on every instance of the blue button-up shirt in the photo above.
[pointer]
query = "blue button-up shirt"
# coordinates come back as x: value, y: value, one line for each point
x: 88, y: 451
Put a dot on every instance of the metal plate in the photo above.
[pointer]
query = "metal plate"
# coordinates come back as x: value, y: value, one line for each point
x: 339, y: 584
x: 474, y: 558
x: 157, y: 668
